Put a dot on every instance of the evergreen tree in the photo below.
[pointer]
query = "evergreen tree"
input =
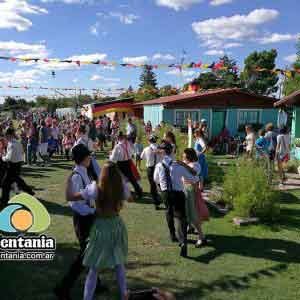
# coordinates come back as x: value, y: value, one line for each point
x: 148, y: 78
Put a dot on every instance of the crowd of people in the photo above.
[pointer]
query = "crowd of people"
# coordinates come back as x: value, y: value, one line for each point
x: 96, y: 194
x: 269, y: 146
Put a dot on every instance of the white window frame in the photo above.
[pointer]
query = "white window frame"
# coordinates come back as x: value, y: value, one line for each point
x: 186, y: 110
x: 260, y: 111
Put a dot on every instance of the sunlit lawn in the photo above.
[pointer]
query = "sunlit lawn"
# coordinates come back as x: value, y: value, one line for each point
x: 257, y: 262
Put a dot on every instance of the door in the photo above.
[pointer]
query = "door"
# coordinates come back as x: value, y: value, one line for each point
x: 218, y: 122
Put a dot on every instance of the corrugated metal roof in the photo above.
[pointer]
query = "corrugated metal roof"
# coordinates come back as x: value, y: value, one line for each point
x: 198, y: 95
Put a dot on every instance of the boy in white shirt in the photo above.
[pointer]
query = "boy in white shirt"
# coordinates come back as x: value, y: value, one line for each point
x: 152, y: 157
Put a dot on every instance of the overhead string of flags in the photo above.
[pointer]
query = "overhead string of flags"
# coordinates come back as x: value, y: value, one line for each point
x: 215, y: 66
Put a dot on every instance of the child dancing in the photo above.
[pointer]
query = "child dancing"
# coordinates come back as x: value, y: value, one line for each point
x: 108, y: 244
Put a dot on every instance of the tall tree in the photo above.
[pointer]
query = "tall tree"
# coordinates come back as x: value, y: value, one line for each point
x: 128, y: 93
x: 228, y: 76
x: 168, y: 90
x: 205, y: 81
x: 292, y: 84
x: 260, y: 82
x: 148, y: 77
x: 224, y: 75
x: 146, y: 93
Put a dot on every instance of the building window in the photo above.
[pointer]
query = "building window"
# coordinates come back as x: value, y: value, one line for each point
x: 248, y: 117
x: 182, y: 117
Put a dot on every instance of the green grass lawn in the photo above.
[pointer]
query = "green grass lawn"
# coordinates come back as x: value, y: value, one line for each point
x: 258, y: 262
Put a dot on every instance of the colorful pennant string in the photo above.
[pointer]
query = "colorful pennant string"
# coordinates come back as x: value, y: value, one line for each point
x: 215, y: 66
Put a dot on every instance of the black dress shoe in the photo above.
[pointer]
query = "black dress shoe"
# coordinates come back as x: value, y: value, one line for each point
x: 101, y: 288
x: 174, y: 239
x: 183, y: 250
x: 62, y: 294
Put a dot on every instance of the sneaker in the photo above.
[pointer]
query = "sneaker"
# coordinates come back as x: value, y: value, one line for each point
x: 201, y: 243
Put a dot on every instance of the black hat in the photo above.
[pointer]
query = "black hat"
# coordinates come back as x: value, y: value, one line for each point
x: 9, y: 132
x: 153, y: 138
x: 167, y: 147
x: 121, y: 135
x: 79, y: 153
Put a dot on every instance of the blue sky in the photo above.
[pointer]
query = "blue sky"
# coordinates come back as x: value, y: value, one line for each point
x: 149, y: 31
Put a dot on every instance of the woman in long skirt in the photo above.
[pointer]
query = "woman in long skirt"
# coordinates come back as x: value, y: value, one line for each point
x: 200, y: 148
x: 196, y: 209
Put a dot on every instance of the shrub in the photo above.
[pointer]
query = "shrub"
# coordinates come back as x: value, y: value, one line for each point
x: 292, y: 166
x: 246, y: 188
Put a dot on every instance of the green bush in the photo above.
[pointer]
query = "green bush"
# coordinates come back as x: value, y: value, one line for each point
x: 247, y: 190
x: 292, y: 166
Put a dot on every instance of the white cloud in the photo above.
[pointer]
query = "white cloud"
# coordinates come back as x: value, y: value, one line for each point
x: 12, y: 11
x: 184, y: 73
x: 177, y: 4
x: 159, y: 56
x: 291, y: 58
x: 75, y: 80
x: 94, y: 29
x: 215, y: 32
x: 232, y: 45
x: 215, y: 52
x: 277, y: 38
x: 106, y: 79
x: 70, y: 1
x: 220, y: 2
x: 21, y: 49
x: 96, y: 77
x: 89, y: 57
x: 135, y: 60
x: 21, y: 76
x: 127, y: 19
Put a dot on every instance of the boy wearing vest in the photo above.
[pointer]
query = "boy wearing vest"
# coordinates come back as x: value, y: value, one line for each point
x: 83, y: 215
x: 152, y: 157
x: 169, y: 174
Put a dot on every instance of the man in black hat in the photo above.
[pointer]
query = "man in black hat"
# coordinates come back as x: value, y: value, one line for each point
x: 168, y: 174
x: 83, y: 217
x: 14, y: 160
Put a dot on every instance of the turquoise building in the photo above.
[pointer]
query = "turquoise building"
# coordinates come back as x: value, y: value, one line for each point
x: 230, y: 108
x: 293, y: 101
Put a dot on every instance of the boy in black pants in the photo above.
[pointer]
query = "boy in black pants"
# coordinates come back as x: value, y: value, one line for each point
x: 168, y: 174
x: 152, y: 157
x: 83, y: 218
